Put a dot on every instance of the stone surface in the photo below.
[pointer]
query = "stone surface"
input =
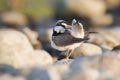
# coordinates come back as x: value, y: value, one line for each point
x: 16, y: 50
x: 32, y: 36
x: 112, y: 4
x: 7, y: 69
x: 44, y: 57
x: 43, y: 74
x: 45, y: 34
x: 62, y: 66
x: 107, y: 38
x: 79, y: 6
x: 95, y: 10
x: 64, y: 61
x: 13, y: 18
x: 9, y: 77
x: 87, y: 49
x: 104, y: 67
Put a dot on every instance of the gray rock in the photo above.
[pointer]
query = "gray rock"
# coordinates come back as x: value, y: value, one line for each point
x: 90, y: 9
x: 9, y: 77
x: 64, y: 61
x: 43, y: 74
x: 32, y: 36
x: 87, y: 49
x: 19, y: 21
x: 6, y: 69
x: 104, y: 67
x: 62, y: 66
x: 45, y: 34
x: 44, y: 57
x: 13, y: 18
x: 16, y: 50
x: 106, y: 38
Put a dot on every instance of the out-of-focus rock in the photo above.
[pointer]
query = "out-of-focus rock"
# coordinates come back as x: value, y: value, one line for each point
x: 62, y: 68
x: 19, y: 21
x: 112, y: 4
x: 93, y: 10
x: 13, y: 18
x: 45, y: 34
x: 64, y: 61
x: 43, y: 74
x: 89, y: 8
x: 32, y: 36
x: 45, y: 29
x: 9, y: 77
x: 96, y: 67
x: 115, y: 32
x: 44, y: 57
x: 102, y: 21
x: 87, y: 49
x: 7, y: 69
x: 106, y: 38
x: 16, y: 50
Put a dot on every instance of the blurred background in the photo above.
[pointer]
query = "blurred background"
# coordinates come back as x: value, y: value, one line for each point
x: 26, y: 27
x: 39, y: 17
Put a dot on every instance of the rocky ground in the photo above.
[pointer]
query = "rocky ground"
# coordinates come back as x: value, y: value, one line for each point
x: 27, y: 55
x: 94, y: 60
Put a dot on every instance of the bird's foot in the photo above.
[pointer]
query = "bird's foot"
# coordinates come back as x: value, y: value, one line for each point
x: 67, y: 58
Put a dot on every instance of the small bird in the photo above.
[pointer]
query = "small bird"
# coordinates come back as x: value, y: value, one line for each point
x: 65, y: 37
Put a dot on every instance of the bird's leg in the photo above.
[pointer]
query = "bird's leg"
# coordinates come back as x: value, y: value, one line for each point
x: 68, y: 53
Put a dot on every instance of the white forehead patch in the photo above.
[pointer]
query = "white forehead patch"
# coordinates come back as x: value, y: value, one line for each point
x: 64, y: 24
x: 59, y: 29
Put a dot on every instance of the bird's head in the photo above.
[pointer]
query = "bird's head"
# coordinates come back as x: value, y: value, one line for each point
x: 61, y: 26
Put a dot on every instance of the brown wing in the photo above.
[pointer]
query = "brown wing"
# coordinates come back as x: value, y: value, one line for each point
x: 66, y: 39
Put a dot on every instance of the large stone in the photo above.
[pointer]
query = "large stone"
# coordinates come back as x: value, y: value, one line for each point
x: 62, y: 68
x: 84, y: 8
x: 45, y: 34
x: 32, y: 36
x: 64, y: 61
x: 16, y: 50
x: 19, y: 21
x: 9, y: 77
x: 44, y: 57
x: 43, y: 74
x: 87, y: 49
x: 96, y: 67
x: 95, y: 10
x: 13, y: 18
x: 7, y: 69
x: 112, y: 4
x: 115, y: 31
x: 107, y: 38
